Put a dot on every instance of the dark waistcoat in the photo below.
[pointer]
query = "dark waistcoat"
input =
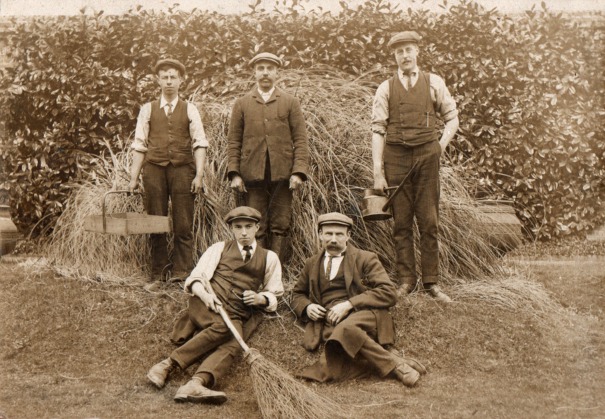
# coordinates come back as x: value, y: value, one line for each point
x: 411, y: 113
x: 169, y: 139
x: 232, y: 276
x: 334, y: 291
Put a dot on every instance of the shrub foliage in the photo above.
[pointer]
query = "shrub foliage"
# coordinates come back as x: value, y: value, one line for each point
x: 529, y: 88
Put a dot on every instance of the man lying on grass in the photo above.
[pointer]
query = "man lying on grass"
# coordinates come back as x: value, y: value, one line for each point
x: 244, y: 279
x: 344, y: 295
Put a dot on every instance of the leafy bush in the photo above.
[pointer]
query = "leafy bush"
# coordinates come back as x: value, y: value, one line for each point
x: 529, y: 90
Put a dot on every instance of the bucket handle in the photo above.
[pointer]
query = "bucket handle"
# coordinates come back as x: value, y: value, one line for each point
x: 105, y: 200
x: 387, y: 204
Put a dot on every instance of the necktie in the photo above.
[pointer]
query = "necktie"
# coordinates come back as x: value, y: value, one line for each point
x: 329, y: 267
x: 248, y: 253
x: 169, y: 110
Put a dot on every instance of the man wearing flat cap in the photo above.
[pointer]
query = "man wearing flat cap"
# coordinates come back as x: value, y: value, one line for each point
x: 170, y: 148
x: 343, y: 295
x: 245, y: 280
x: 405, y: 140
x: 268, y: 151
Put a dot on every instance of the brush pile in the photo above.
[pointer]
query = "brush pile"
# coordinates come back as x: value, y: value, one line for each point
x: 337, y: 111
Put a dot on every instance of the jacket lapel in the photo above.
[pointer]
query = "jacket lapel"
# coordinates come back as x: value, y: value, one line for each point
x: 349, y: 262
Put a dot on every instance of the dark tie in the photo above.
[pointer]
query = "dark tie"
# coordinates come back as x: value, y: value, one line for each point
x: 248, y: 253
x: 329, y: 267
x: 169, y: 110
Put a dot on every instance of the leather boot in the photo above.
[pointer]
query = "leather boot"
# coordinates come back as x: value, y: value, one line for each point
x: 160, y: 371
x: 279, y: 245
x: 194, y: 391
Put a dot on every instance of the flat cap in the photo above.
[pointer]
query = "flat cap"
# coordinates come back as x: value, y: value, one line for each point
x: 403, y: 37
x: 334, y: 218
x: 243, y: 213
x: 170, y: 63
x: 265, y: 56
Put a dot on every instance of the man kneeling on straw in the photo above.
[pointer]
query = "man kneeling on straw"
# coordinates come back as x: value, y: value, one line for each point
x: 245, y: 279
x: 344, y: 295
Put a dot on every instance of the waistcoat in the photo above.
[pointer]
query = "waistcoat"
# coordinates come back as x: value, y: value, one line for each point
x: 169, y: 139
x: 232, y: 277
x: 411, y: 113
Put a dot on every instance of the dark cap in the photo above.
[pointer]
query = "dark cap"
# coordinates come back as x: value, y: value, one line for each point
x: 265, y: 56
x: 169, y: 63
x: 404, y: 37
x: 243, y: 213
x: 334, y: 218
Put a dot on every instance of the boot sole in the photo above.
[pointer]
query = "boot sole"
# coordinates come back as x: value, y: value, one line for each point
x: 219, y: 399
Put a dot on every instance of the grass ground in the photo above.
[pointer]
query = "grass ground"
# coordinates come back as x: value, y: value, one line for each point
x: 76, y: 349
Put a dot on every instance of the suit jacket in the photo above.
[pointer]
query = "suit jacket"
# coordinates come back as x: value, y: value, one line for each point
x: 368, y: 287
x: 276, y: 127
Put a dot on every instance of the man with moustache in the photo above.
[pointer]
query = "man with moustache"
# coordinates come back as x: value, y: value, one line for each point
x: 343, y: 295
x: 405, y: 139
x: 268, y: 152
x: 170, y: 148
x: 245, y: 280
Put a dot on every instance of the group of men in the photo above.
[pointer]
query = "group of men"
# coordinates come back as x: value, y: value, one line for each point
x: 343, y: 293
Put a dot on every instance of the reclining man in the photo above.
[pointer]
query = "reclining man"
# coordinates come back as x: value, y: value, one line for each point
x: 344, y: 295
x: 244, y: 279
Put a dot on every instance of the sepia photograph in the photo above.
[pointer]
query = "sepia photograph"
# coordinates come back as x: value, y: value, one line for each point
x: 302, y: 209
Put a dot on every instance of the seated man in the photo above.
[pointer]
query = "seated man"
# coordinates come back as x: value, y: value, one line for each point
x: 344, y: 294
x: 242, y: 277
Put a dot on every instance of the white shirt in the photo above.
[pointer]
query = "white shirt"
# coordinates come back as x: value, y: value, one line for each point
x: 266, y: 95
x: 272, y: 284
x: 196, y: 129
x: 243, y: 252
x: 336, y: 261
x: 164, y: 102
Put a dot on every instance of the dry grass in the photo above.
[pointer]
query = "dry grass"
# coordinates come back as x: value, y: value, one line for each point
x: 336, y: 109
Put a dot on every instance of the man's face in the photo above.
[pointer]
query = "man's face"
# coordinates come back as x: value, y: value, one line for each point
x: 169, y: 80
x: 334, y: 238
x: 244, y: 231
x: 265, y: 73
x: 406, y: 56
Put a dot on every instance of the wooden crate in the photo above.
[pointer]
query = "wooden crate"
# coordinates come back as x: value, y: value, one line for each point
x: 127, y: 223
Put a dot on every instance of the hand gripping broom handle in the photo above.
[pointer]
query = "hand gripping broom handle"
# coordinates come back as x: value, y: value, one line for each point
x: 227, y: 320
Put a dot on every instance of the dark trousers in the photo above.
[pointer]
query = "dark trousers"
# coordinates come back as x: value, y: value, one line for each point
x: 351, y: 351
x: 214, y: 340
x: 419, y: 197
x: 171, y: 182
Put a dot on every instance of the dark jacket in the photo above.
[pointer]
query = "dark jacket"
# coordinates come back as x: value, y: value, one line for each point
x: 368, y: 287
x: 276, y: 127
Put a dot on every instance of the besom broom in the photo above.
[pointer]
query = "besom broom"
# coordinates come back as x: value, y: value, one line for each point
x: 278, y: 394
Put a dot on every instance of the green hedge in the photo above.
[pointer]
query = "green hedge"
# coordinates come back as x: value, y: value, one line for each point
x: 530, y: 92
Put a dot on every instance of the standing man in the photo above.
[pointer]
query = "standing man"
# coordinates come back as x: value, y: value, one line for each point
x: 344, y: 294
x: 268, y: 151
x: 405, y: 138
x: 170, y: 147
x: 245, y: 280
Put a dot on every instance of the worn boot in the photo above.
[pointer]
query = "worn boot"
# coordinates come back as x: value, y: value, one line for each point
x: 160, y: 371
x: 195, y: 392
x: 406, y: 374
x: 279, y: 245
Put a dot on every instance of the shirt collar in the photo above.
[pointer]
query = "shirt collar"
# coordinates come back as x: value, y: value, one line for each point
x: 268, y: 94
x: 241, y: 248
x: 164, y: 102
x: 341, y: 254
x: 412, y: 73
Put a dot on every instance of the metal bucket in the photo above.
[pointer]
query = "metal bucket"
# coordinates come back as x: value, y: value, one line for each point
x: 373, y: 205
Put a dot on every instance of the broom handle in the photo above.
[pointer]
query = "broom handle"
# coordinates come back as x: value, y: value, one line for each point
x: 227, y: 320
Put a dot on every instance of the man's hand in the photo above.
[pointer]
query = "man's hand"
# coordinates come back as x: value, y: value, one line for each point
x: 132, y: 185
x: 196, y: 184
x: 211, y: 301
x: 237, y: 184
x: 380, y: 182
x: 252, y: 298
x: 315, y: 312
x: 339, y: 312
x: 295, y: 182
